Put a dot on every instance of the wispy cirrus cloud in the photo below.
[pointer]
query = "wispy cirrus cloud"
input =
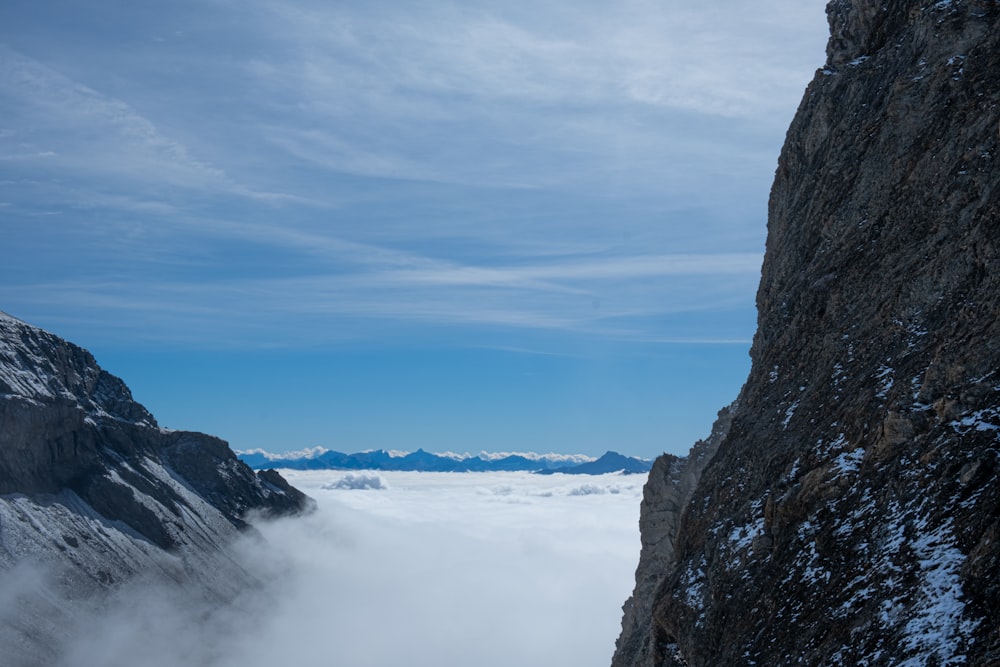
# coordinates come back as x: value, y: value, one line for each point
x: 554, y: 95
x: 573, y: 167
x: 375, y: 292
x: 80, y: 136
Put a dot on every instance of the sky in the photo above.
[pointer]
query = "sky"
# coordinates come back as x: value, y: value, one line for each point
x: 490, y: 569
x: 457, y: 226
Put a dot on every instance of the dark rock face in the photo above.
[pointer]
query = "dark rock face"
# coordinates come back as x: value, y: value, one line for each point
x: 94, y: 492
x: 852, y: 513
x: 69, y: 425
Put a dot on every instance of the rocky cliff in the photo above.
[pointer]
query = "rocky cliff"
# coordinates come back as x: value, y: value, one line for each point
x: 93, y: 493
x: 851, y: 515
x: 667, y: 492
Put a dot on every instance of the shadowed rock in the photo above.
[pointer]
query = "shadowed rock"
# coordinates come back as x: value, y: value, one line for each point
x: 850, y: 515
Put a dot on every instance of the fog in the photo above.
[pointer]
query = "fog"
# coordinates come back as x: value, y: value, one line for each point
x: 404, y: 568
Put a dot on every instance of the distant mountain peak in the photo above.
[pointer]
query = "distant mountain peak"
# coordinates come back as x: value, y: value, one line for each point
x: 424, y: 461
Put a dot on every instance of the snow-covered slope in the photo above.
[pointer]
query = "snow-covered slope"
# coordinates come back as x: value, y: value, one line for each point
x: 93, y: 493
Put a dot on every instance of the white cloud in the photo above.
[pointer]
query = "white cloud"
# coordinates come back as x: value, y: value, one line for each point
x: 717, y: 58
x: 358, y: 481
x: 479, y: 93
x: 443, y: 569
x: 582, y: 295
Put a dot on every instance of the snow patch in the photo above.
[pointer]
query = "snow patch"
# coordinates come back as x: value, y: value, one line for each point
x: 848, y: 463
x: 885, y: 380
x: 789, y: 413
x: 937, y: 626
x: 742, y: 537
x: 980, y: 420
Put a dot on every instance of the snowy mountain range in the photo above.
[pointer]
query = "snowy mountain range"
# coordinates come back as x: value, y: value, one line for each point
x: 320, y: 458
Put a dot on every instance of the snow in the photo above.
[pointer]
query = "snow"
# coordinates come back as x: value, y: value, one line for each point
x: 837, y: 378
x: 789, y: 413
x: 535, y: 456
x: 794, y: 472
x: 31, y: 371
x: 696, y: 586
x: 848, y: 463
x: 97, y: 546
x: 936, y: 624
x: 885, y: 380
x: 317, y: 451
x: 15, y: 374
x: 741, y: 537
x: 813, y: 572
x: 960, y: 71
x: 980, y: 420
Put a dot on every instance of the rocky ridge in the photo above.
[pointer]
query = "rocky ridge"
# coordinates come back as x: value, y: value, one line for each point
x: 850, y: 515
x: 667, y: 491
x: 93, y: 492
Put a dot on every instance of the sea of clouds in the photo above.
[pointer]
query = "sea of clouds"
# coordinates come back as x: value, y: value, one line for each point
x: 403, y: 568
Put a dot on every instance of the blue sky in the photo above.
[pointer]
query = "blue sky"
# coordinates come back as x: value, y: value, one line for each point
x: 458, y: 226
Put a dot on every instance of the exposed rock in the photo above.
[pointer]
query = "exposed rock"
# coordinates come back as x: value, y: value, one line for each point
x: 850, y: 514
x: 93, y: 493
x: 667, y: 492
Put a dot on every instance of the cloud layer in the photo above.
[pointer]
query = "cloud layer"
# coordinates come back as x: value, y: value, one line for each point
x: 444, y: 569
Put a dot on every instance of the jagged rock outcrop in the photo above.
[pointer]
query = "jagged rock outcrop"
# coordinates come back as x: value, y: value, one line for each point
x: 93, y: 492
x: 668, y: 490
x: 851, y: 516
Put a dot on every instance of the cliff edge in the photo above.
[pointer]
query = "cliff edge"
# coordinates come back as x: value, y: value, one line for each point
x: 851, y: 514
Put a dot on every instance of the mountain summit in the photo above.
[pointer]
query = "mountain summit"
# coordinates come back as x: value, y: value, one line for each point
x: 846, y: 511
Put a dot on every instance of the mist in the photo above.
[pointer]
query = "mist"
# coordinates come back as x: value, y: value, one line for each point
x: 401, y: 568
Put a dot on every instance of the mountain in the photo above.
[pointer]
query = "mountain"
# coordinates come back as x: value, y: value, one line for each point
x: 422, y: 461
x: 609, y: 462
x: 93, y: 493
x: 846, y: 511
